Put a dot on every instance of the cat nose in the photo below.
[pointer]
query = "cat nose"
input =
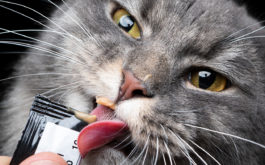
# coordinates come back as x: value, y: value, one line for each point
x: 131, y: 86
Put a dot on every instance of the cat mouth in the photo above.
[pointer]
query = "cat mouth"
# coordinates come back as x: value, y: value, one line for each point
x: 107, y: 130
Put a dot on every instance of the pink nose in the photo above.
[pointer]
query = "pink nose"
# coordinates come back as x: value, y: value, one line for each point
x: 131, y: 86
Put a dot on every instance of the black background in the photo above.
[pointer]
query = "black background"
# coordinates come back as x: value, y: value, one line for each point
x: 10, y: 20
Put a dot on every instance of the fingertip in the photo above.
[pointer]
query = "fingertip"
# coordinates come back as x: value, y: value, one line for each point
x: 44, y: 158
x: 5, y: 160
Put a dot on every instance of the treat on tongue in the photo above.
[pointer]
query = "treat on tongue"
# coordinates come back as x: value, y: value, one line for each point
x: 106, y: 102
x: 100, y: 133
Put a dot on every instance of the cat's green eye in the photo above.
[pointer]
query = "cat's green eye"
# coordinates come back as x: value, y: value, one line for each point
x: 208, y: 80
x: 127, y: 23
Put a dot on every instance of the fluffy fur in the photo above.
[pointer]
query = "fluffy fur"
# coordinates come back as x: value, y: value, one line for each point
x: 82, y: 54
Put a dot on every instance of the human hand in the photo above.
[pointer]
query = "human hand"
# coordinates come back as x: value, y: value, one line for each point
x: 44, y: 158
x: 5, y: 160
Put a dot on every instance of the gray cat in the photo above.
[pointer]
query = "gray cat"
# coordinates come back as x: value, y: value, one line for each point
x: 187, y: 76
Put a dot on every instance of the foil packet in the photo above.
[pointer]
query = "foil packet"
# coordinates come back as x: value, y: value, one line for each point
x: 51, y: 127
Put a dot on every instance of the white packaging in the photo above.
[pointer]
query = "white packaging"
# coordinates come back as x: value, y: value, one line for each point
x: 60, y: 140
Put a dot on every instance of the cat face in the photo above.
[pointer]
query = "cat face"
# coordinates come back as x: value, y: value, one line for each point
x: 201, y: 83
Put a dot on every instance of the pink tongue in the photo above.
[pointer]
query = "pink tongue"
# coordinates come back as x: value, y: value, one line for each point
x: 103, y: 131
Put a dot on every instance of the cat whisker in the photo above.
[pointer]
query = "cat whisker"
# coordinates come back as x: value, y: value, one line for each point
x: 38, y: 54
x: 191, y: 148
x: 131, y: 154
x: 176, y: 113
x: 67, y: 92
x: 164, y: 131
x: 143, y: 150
x: 168, y: 153
x: 166, y: 146
x: 34, y: 39
x: 66, y: 33
x: 157, y: 150
x: 205, y: 152
x: 167, y: 138
x: 83, y: 26
x: 227, y: 134
x: 27, y: 101
x: 145, y: 155
x: 235, y: 146
x: 33, y: 10
x: 261, y: 28
x: 34, y: 20
x: 54, y: 94
x: 251, y: 37
x: 233, y: 34
x: 124, y: 140
x: 42, y: 49
x: 20, y: 40
x: 247, y: 44
x: 164, y: 159
x: 183, y: 147
x: 79, y: 24
x: 60, y: 87
x: 40, y: 30
x: 37, y: 74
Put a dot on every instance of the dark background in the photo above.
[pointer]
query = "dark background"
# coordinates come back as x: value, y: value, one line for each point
x: 10, y: 20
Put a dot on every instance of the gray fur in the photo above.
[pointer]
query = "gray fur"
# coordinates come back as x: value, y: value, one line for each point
x: 177, y: 35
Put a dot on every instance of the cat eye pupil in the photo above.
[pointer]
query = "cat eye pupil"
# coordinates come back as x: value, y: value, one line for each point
x: 206, y: 79
x: 126, y: 22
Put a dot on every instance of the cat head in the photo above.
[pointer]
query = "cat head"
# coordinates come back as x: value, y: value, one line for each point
x: 200, y: 81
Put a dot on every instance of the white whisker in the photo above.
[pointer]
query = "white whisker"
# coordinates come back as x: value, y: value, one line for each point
x: 227, y: 134
x: 145, y: 155
x: 176, y: 113
x: 251, y: 37
x: 34, y: 39
x: 67, y: 92
x: 168, y: 153
x: 30, y: 99
x: 235, y: 147
x: 157, y: 151
x: 36, y: 30
x: 164, y: 131
x: 82, y: 26
x: 250, y: 33
x: 79, y: 24
x: 185, y: 152
x: 205, y: 152
x: 54, y: 94
x: 35, y: 11
x: 191, y: 148
x: 125, y: 139
x: 164, y: 159
x: 142, y: 152
x: 41, y: 49
x: 36, y: 74
x: 182, y: 146
x: 60, y: 87
x: 233, y: 34
x: 34, y: 20
x: 48, y: 31
x: 48, y: 54
x: 131, y: 153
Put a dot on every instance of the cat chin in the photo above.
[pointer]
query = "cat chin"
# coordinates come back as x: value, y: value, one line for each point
x: 105, y: 155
